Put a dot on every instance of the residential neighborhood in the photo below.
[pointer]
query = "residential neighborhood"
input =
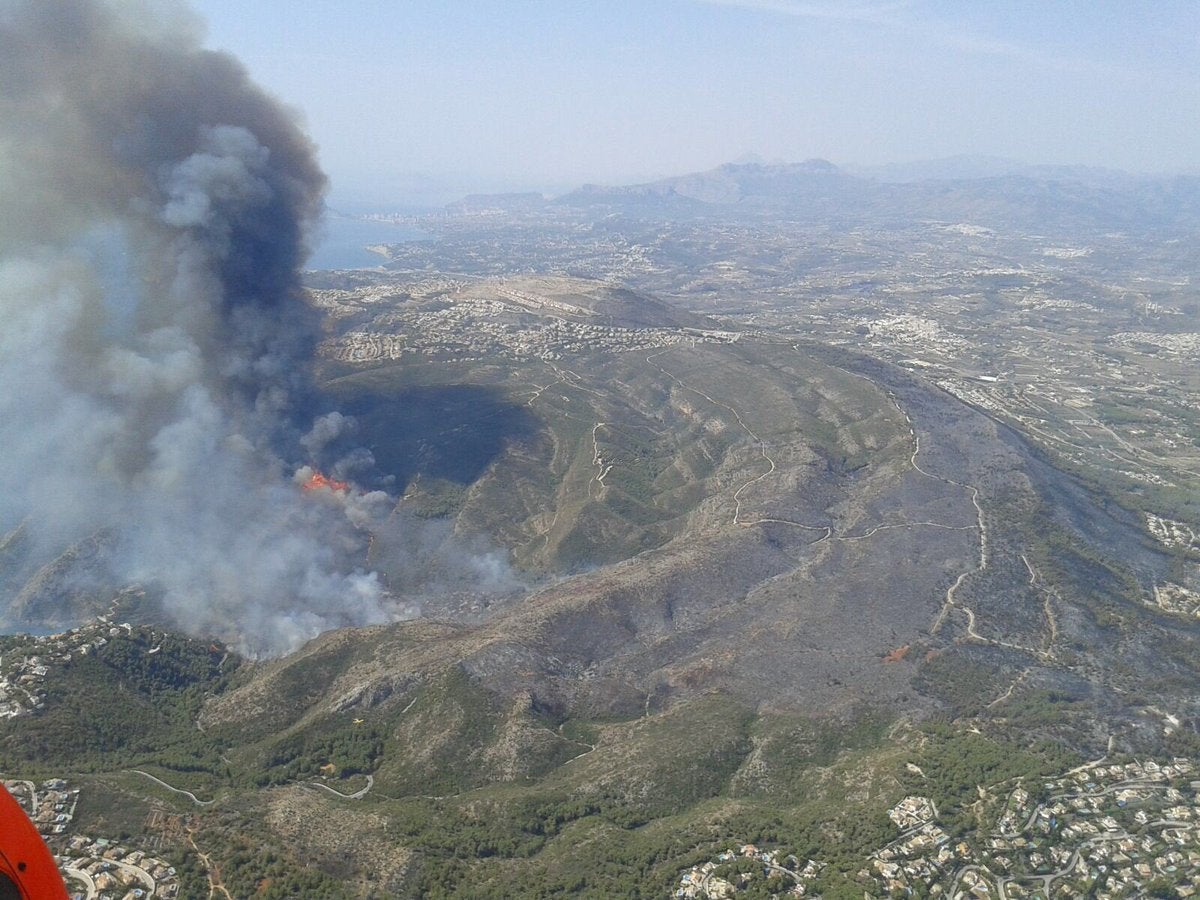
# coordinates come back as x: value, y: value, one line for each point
x: 723, y: 877
x: 1108, y: 829
x: 95, y: 868
x: 514, y: 318
x: 22, y: 673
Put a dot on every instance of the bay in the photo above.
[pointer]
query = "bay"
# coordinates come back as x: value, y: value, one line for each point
x: 342, y: 241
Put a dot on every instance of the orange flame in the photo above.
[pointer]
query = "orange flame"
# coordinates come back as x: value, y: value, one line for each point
x: 316, y: 481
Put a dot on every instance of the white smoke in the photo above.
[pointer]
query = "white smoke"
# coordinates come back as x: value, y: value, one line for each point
x: 153, y: 343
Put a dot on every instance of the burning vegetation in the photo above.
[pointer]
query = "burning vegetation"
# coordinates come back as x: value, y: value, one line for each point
x: 320, y: 482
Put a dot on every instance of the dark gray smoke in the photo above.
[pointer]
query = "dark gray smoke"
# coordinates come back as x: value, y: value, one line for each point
x: 154, y: 206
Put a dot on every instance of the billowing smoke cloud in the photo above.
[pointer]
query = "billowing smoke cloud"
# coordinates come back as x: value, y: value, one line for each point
x: 153, y: 211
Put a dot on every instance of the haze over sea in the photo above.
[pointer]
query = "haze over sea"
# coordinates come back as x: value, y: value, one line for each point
x: 342, y: 241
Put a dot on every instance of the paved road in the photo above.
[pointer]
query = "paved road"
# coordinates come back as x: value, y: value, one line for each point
x: 176, y: 790
x: 1112, y: 788
x: 32, y: 794
x: 958, y: 877
x: 83, y: 876
x: 357, y: 795
x: 1094, y: 762
x: 140, y: 874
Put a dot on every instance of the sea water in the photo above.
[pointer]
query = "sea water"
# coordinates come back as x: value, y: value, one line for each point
x: 342, y: 241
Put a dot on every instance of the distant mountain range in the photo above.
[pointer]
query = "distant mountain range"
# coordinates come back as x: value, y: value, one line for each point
x: 986, y: 191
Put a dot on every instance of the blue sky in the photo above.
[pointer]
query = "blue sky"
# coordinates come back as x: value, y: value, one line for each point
x: 409, y: 95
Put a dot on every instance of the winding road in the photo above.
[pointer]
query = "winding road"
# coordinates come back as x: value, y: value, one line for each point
x: 80, y: 875
x: 357, y: 795
x: 175, y: 790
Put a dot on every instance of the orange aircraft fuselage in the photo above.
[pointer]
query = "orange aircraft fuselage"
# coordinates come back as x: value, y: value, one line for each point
x: 27, y: 868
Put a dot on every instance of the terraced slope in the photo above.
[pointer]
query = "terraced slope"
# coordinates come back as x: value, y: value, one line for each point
x: 750, y: 561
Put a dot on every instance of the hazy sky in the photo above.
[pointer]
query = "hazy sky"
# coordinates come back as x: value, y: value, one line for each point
x: 487, y: 95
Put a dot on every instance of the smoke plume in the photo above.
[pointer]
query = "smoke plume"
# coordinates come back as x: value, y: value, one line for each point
x: 153, y: 212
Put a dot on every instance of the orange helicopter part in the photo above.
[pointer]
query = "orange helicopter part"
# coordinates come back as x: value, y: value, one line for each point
x: 27, y: 869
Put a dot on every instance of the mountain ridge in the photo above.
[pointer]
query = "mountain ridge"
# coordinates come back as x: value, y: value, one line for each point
x: 989, y: 192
